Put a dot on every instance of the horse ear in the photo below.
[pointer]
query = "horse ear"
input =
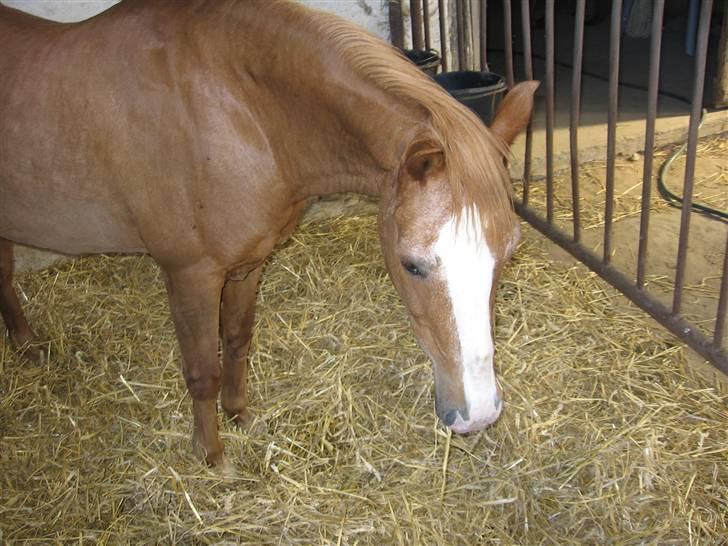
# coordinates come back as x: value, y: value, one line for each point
x: 514, y: 112
x: 422, y: 158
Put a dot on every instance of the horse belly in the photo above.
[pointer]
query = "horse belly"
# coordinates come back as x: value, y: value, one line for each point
x: 55, y: 187
x: 63, y: 222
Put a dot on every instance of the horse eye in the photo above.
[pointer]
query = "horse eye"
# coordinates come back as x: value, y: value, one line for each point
x: 412, y: 269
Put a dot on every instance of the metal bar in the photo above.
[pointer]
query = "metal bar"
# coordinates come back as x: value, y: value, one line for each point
x: 442, y: 17
x: 460, y: 15
x: 652, y: 88
x: 528, y: 61
x: 508, y: 41
x: 484, y: 36
x: 681, y: 328
x: 699, y: 81
x: 526, y: 29
x: 550, y: 110
x: 719, y: 333
x: 614, y: 39
x: 426, y: 14
x: 574, y: 116
x: 396, y: 23
x: 722, y: 302
x: 416, y: 20
x: 470, y: 35
x: 693, y: 8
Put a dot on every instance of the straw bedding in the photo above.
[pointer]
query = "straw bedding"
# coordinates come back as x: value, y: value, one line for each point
x: 604, y: 439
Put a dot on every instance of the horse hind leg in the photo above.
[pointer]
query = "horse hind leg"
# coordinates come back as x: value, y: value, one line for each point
x: 18, y: 329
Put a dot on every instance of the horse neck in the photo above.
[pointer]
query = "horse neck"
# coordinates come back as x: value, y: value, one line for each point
x: 365, y: 134
x: 342, y: 133
x: 345, y: 135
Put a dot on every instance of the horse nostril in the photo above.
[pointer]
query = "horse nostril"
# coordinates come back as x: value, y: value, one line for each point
x: 450, y: 417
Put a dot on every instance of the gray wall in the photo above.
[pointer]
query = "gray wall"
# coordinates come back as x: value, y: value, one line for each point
x: 371, y: 14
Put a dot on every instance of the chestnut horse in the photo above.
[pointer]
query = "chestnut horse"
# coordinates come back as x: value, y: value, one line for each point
x: 196, y: 132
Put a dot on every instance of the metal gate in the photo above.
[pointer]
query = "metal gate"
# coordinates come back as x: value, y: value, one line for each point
x: 460, y: 28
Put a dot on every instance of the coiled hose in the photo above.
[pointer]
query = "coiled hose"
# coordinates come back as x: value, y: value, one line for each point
x: 677, y: 201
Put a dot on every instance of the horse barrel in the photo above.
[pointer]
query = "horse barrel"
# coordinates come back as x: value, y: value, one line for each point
x: 479, y: 91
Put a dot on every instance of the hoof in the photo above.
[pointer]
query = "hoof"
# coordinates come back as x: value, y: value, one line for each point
x: 33, y: 353
x: 226, y: 470
x: 214, y: 459
x: 247, y: 421
x: 212, y: 453
x: 27, y: 346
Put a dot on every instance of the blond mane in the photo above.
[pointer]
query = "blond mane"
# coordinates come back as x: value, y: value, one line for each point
x: 474, y: 156
x: 478, y: 177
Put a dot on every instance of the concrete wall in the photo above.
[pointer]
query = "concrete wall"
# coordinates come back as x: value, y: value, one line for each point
x: 371, y: 14
x: 66, y: 11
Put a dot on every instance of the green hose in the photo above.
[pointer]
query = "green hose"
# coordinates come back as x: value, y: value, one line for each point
x: 677, y: 201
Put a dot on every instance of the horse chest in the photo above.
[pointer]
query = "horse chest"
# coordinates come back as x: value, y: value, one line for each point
x: 268, y: 233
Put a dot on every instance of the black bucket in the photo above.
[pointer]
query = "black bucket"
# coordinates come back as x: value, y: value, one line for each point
x: 427, y: 61
x: 479, y: 91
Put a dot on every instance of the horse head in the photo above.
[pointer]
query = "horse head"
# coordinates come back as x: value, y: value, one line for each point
x: 445, y: 239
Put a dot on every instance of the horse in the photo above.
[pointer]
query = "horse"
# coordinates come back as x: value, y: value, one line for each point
x: 197, y: 132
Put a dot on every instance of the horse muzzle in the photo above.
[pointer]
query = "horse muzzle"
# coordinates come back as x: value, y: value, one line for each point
x: 466, y: 420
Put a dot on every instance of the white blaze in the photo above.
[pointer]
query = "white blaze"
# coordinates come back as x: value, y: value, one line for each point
x: 468, y: 266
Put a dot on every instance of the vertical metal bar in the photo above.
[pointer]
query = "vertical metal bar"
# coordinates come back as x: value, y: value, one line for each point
x: 416, y: 19
x: 699, y: 80
x: 550, y: 110
x: 652, y: 88
x: 426, y: 13
x: 442, y: 16
x: 460, y: 14
x: 528, y: 60
x: 508, y: 41
x: 470, y: 36
x: 484, y: 36
x: 396, y: 23
x: 693, y: 8
x: 614, y: 39
x: 526, y: 29
x: 575, y: 114
x: 722, y: 302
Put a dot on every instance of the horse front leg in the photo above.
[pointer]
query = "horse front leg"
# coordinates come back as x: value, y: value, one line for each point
x: 18, y: 329
x: 236, y: 324
x: 194, y: 299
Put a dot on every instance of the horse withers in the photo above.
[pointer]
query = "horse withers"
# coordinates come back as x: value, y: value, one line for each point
x: 196, y: 132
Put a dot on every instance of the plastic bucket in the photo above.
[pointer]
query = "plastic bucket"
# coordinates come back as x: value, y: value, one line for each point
x: 427, y: 61
x: 479, y: 91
